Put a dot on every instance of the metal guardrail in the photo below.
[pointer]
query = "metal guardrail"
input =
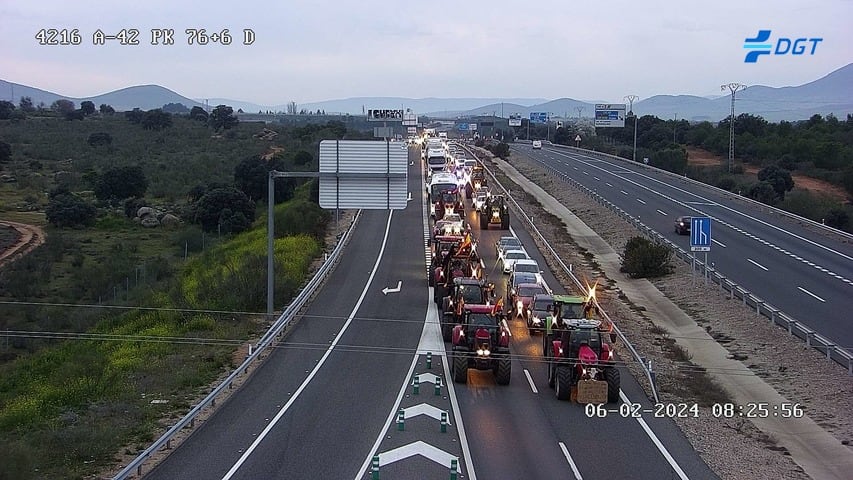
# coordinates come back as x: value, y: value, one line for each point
x: 646, y: 367
x: 813, y: 339
x: 265, y: 341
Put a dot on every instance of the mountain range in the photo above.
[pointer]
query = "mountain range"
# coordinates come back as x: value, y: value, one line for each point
x: 832, y: 93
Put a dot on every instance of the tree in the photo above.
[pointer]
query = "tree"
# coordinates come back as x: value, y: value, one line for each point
x: 156, y: 119
x: 120, y: 183
x: 209, y: 209
x: 134, y: 116
x: 252, y: 178
x: 778, y: 178
x: 26, y: 105
x: 6, y: 109
x: 100, y: 139
x: 222, y: 118
x: 87, y: 107
x: 763, y: 192
x: 68, y: 210
x: 62, y: 106
x: 107, y: 109
x: 75, y: 115
x: 303, y: 158
x: 178, y: 108
x: 644, y: 259
x: 198, y: 113
x: 5, y: 152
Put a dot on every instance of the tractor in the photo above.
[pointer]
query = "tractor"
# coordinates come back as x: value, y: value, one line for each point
x: 463, y: 295
x: 476, y: 182
x: 577, y: 354
x: 453, y: 258
x: 482, y: 343
x: 495, y: 212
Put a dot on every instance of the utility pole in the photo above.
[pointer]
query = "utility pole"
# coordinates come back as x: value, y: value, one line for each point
x: 733, y: 87
x: 674, y: 129
x: 630, y: 99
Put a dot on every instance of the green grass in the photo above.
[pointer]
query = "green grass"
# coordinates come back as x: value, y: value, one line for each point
x: 67, y: 407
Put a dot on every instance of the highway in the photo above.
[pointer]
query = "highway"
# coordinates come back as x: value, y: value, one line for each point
x: 327, y: 399
x: 805, y: 274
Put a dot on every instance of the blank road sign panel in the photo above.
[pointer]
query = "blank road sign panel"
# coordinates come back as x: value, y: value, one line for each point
x: 363, y: 174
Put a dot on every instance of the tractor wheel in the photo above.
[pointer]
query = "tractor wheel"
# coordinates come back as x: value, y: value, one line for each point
x: 551, y: 373
x: 563, y: 383
x: 611, y: 374
x: 503, y: 372
x: 446, y: 327
x: 459, y: 368
x: 484, y: 221
x: 505, y: 222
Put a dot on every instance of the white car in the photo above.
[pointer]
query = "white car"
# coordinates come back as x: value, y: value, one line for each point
x: 507, y: 243
x: 510, y: 257
x: 480, y: 199
x: 530, y: 266
x: 537, y: 144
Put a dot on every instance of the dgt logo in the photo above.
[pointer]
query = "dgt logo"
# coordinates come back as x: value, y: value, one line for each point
x: 759, y: 46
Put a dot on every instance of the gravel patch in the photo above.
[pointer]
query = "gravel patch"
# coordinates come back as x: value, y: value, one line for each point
x: 733, y: 448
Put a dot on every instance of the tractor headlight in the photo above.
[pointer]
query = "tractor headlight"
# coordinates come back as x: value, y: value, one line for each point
x: 536, y: 320
x: 519, y: 305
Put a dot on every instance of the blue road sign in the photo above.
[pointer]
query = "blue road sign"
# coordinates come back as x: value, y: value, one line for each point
x: 462, y: 127
x: 538, y: 117
x: 700, y: 234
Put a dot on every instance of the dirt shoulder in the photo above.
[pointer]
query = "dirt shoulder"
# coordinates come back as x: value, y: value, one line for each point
x: 734, y: 448
x: 29, y: 238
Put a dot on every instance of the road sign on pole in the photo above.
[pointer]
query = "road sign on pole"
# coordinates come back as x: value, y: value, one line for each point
x: 700, y: 234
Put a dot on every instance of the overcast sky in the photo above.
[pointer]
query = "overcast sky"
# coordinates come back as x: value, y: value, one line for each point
x: 321, y: 49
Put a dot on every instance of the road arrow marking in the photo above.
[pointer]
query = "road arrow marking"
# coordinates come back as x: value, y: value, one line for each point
x: 386, y: 290
x: 410, y: 197
x: 424, y: 409
x: 427, y: 378
x: 424, y: 449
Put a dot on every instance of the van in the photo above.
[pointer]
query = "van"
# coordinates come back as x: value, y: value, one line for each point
x: 537, y: 144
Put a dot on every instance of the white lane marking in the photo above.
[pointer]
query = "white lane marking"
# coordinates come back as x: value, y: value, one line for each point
x: 657, y: 442
x: 608, y: 184
x: 662, y: 212
x: 575, y: 168
x: 756, y: 264
x: 639, y: 200
x: 575, y: 471
x: 530, y: 381
x: 810, y: 293
x: 320, y: 363
x: 624, y: 192
x: 597, y: 178
x: 719, y: 243
x: 586, y: 173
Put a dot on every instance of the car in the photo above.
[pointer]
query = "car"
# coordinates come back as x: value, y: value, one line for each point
x: 507, y: 243
x: 523, y: 297
x: 682, y: 225
x: 539, y: 311
x: 509, y: 258
x: 537, y: 144
x: 514, y: 281
x: 530, y: 266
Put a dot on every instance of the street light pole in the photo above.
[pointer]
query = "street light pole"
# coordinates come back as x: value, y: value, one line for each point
x: 630, y: 99
x: 733, y: 87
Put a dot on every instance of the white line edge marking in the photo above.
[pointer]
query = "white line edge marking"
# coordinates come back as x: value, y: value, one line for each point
x: 320, y: 363
x: 575, y: 470
x: 608, y: 184
x: 624, y: 192
x: 810, y: 293
x: 530, y: 381
x: 641, y: 201
x: 719, y: 243
x: 662, y: 213
x: 756, y: 264
x: 657, y: 442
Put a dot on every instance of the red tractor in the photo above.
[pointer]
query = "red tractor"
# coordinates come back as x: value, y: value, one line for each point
x: 481, y: 342
x: 580, y: 358
x: 453, y: 258
x: 465, y: 294
x: 450, y: 201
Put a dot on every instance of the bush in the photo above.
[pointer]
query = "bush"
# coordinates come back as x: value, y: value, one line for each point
x: 69, y: 210
x: 301, y: 217
x: 644, y: 259
x: 222, y: 205
x: 727, y: 183
x: 100, y: 139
